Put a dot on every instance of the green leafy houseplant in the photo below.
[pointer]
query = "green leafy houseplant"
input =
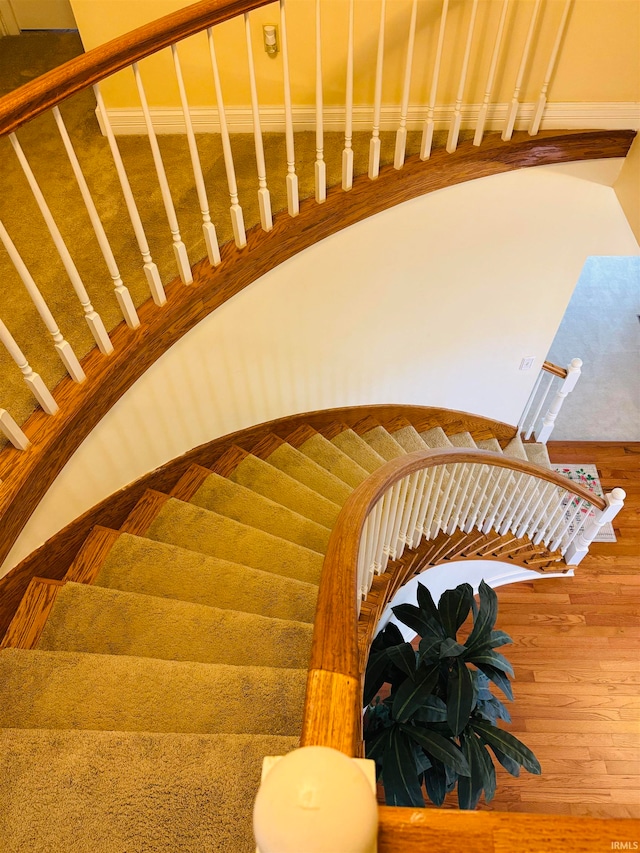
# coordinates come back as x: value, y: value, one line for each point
x: 438, y: 726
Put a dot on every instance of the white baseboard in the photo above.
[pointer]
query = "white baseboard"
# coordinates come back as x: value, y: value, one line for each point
x: 592, y: 116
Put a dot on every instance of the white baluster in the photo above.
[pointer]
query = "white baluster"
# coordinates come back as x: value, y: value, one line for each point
x: 320, y: 165
x: 381, y: 556
x: 427, y: 130
x: 454, y: 496
x: 293, y: 201
x: 94, y: 321
x: 391, y: 520
x: 482, y: 116
x: 208, y: 228
x: 528, y: 524
x: 495, y: 479
x: 264, y: 197
x: 412, y: 501
x: 362, y: 568
x: 374, y: 144
x: 516, y: 499
x: 538, y: 519
x: 503, y: 483
x: 381, y: 507
x: 543, y: 398
x: 572, y: 518
x: 237, y: 217
x: 179, y: 249
x: 568, y: 384
x: 12, y: 431
x: 63, y: 347
x: 413, y: 530
x: 447, y: 497
x: 515, y: 99
x: 150, y: 269
x: 429, y: 529
x: 532, y: 495
x: 558, y: 517
x: 32, y: 379
x: 401, y: 134
x: 123, y: 296
x: 394, y: 539
x: 569, y: 535
x: 525, y: 412
x: 347, y: 154
x: 534, y: 127
x: 454, y: 129
x: 484, y: 478
x: 552, y: 518
x: 470, y: 486
x: 579, y: 548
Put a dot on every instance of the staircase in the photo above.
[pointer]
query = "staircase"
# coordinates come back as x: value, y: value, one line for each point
x: 139, y: 695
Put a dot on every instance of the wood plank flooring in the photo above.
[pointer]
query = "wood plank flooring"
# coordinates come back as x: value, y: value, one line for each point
x: 576, y: 655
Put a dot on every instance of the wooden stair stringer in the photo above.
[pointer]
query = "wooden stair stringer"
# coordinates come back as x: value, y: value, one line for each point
x: 28, y: 622
x: 91, y: 556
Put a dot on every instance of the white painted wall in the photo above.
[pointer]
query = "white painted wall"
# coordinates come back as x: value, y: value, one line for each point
x: 432, y: 303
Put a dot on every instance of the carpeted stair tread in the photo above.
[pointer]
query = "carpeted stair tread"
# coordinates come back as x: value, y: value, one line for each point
x: 188, y: 526
x: 409, y: 438
x: 462, y: 439
x: 221, y: 495
x: 435, y: 438
x: 324, y: 453
x: 106, y: 621
x: 78, y: 791
x: 515, y: 449
x: 71, y: 690
x: 258, y: 475
x: 491, y: 444
x: 357, y: 448
x: 383, y: 443
x: 537, y: 453
x: 137, y: 564
x: 297, y: 465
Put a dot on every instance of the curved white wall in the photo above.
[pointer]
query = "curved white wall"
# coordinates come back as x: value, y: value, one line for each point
x: 433, y: 303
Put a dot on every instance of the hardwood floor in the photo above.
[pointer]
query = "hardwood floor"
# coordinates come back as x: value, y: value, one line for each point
x: 576, y: 654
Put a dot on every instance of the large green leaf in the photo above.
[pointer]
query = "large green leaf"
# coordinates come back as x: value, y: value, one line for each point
x: 429, y: 648
x: 488, y: 770
x: 499, y: 679
x: 454, y: 607
x: 450, y: 649
x: 438, y: 747
x: 399, y: 774
x: 509, y: 764
x: 485, y: 618
x: 470, y: 787
x: 375, y: 675
x: 459, y: 697
x: 414, y: 691
x: 435, y: 780
x: 499, y: 638
x: 489, y: 658
x: 426, y: 602
x: 432, y: 710
x: 404, y: 657
x: 379, y: 743
x: 419, y: 621
x: 509, y: 745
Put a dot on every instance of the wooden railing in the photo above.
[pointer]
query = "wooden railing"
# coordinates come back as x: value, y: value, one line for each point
x: 551, y: 388
x: 66, y: 414
x: 409, y: 499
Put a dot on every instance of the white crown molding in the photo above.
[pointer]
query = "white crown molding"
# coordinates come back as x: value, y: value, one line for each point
x: 559, y: 116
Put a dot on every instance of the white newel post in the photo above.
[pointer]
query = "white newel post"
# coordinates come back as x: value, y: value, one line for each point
x: 569, y: 383
x: 316, y: 799
x: 579, y: 548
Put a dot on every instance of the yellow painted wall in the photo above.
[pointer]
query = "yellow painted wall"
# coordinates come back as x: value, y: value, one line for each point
x: 627, y: 187
x: 599, y: 61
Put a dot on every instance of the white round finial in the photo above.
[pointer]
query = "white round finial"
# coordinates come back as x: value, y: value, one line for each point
x: 619, y: 494
x: 576, y: 363
x: 315, y: 800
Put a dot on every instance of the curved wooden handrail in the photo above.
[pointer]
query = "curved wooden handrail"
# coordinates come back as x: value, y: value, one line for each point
x: 333, y: 703
x: 50, y: 89
x: 28, y: 474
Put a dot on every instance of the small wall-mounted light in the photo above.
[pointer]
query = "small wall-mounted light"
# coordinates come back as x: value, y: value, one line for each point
x: 270, y: 33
